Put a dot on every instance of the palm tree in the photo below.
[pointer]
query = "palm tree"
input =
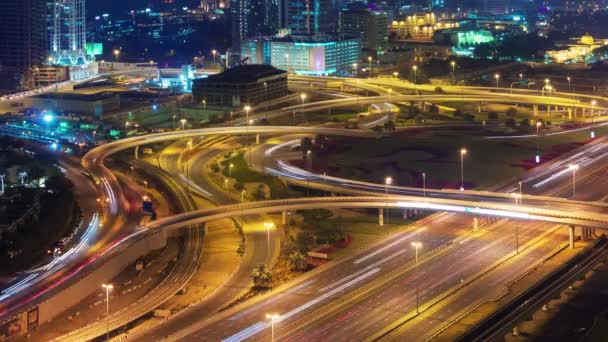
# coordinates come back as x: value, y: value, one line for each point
x: 297, y: 262
x: 261, y: 275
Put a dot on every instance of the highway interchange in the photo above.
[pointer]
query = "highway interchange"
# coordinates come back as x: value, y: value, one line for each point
x: 316, y: 303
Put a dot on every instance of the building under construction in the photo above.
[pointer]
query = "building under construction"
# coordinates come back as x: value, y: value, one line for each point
x: 67, y: 32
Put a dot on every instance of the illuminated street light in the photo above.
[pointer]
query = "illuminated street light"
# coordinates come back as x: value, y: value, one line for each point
x: 369, y: 59
x: 538, y: 125
x: 230, y: 170
x: 214, y: 53
x: 303, y: 97
x: 569, y: 84
x: 463, y: 152
x: 415, y: 68
x: 573, y: 168
x: 497, y: 77
x: 355, y: 69
x: 593, y: 103
x: 247, y: 109
x: 243, y: 195
x: 204, y: 102
x: 387, y: 181
x: 521, y: 77
x: 273, y: 318
x: 146, y: 184
x: 417, y: 245
x: 453, y: 64
x: 183, y: 122
x: 116, y: 54
x: 396, y: 74
x: 108, y: 288
x: 424, y: 184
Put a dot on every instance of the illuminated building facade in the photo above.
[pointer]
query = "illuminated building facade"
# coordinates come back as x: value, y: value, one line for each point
x: 309, y: 16
x: 419, y: 27
x: 578, y: 51
x: 67, y: 32
x: 316, y: 55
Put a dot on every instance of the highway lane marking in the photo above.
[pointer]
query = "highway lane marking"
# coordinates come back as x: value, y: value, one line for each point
x: 292, y: 290
x: 259, y: 326
x: 390, y: 245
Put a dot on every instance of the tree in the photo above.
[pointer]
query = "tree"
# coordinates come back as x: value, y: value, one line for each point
x: 484, y: 50
x: 297, y: 262
x: 57, y: 183
x: 261, y: 276
x: 524, y: 124
x: 304, y: 241
x: 510, y: 122
x: 511, y: 112
x: 238, y: 186
x: 259, y: 194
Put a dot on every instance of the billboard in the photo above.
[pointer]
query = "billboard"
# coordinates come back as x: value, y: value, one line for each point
x: 94, y: 49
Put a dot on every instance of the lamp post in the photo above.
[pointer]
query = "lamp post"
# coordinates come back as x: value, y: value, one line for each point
x: 417, y: 245
x: 355, y: 69
x: 569, y: 84
x: 538, y: 125
x: 116, y: 54
x: 230, y: 170
x: 369, y: 59
x: 521, y: 77
x: 396, y: 74
x: 497, y: 77
x: 174, y: 117
x: 573, y: 168
x: 2, y: 184
x: 273, y: 318
x: 303, y: 97
x: 387, y: 181
x: 108, y: 288
x: 247, y: 109
x: 183, y: 122
x: 424, y: 184
x: 146, y: 184
x: 243, y: 196
x: 463, y: 152
x: 453, y: 64
x: 415, y: 68
x: 127, y: 123
x: 204, y: 102
x: 214, y: 53
x: 593, y: 103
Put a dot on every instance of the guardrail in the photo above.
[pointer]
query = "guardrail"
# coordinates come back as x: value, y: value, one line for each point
x: 526, y: 303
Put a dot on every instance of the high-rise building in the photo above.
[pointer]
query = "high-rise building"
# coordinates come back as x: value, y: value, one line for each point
x: 496, y: 6
x: 372, y: 26
x: 310, y: 16
x: 22, y: 41
x: 67, y: 32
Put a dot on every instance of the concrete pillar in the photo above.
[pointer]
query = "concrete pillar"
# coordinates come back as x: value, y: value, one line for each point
x: 136, y: 152
x: 571, y: 235
x: 284, y: 218
x: 381, y: 216
x: 535, y: 109
x: 405, y: 215
x: 479, y: 107
x: 475, y: 223
x: 569, y: 113
x: 257, y: 139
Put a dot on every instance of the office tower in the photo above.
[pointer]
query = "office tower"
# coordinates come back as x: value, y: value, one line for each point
x: 310, y: 16
x: 67, y: 32
x: 372, y: 26
x: 22, y: 41
x: 496, y: 6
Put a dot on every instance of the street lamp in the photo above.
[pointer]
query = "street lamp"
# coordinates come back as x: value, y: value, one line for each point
x: 146, y: 184
x: 273, y: 318
x: 417, y: 245
x: 396, y: 74
x: 183, y: 122
x: 243, y: 195
x: 424, y: 184
x: 538, y: 125
x: 174, y: 117
x: 387, y: 181
x: 214, y: 53
x: 303, y: 97
x: 569, y: 84
x: 453, y: 64
x: 521, y: 77
x: 204, y: 102
x: 309, y: 160
x: 247, y: 109
x: 127, y: 123
x: 369, y: 59
x: 463, y: 152
x: 230, y: 170
x: 415, y: 68
x: 497, y: 77
x: 108, y: 288
x: 116, y: 54
x: 355, y: 69
x: 573, y: 168
x: 593, y: 103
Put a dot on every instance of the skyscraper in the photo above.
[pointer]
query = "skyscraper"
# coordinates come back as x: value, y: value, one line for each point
x: 67, y: 32
x: 22, y: 41
x: 310, y: 16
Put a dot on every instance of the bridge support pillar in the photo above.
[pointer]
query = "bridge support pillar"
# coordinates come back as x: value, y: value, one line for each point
x: 381, y: 216
x: 535, y: 110
x: 587, y: 233
x: 479, y: 107
x: 136, y: 151
x: 284, y: 218
x: 257, y: 139
x: 475, y: 223
x: 405, y: 214
x: 569, y: 113
x: 571, y: 235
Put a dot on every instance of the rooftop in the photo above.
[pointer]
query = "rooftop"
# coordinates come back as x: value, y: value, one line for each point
x: 245, y: 73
